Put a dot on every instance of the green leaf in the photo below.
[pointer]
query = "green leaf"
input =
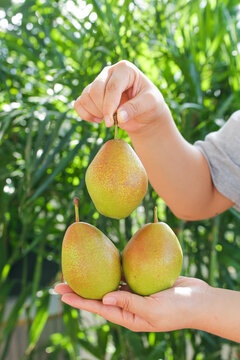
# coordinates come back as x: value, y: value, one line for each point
x: 12, y: 319
x: 94, y: 350
x: 39, y: 321
x: 60, y: 167
x: 50, y: 158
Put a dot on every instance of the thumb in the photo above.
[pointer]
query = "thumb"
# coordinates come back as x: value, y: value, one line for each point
x: 133, y: 303
x: 137, y: 107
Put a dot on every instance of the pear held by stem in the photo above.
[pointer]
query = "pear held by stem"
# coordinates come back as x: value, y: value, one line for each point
x: 116, y: 179
x: 152, y: 259
x: 90, y: 261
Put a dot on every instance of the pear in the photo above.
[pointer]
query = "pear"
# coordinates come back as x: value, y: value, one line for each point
x: 116, y: 179
x: 90, y: 261
x: 152, y: 259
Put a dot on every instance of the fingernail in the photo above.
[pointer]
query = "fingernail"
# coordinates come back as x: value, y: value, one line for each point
x: 108, y: 120
x: 122, y: 116
x: 109, y: 300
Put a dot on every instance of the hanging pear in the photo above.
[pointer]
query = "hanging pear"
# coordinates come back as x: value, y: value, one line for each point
x: 116, y: 179
x: 90, y: 261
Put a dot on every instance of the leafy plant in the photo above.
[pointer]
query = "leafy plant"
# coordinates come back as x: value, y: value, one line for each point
x: 49, y: 51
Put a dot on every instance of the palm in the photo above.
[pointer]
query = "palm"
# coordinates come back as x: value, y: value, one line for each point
x: 156, y: 309
x: 183, y: 281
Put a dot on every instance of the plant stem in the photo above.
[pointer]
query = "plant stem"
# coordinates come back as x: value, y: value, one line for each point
x: 76, y: 204
x: 155, y: 214
x: 116, y: 126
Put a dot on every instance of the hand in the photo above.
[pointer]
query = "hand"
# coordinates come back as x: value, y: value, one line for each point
x: 171, y: 309
x: 124, y: 89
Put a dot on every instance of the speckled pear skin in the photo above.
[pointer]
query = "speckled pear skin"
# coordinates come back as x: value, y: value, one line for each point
x: 116, y: 180
x: 152, y: 259
x: 90, y: 261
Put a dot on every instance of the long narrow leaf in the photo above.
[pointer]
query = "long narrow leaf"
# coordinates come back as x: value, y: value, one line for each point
x: 60, y: 167
x: 12, y: 319
x: 50, y: 158
x: 39, y: 322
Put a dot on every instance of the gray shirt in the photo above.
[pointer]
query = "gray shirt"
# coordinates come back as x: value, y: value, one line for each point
x: 222, y: 151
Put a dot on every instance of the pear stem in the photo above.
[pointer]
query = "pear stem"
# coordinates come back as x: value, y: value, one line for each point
x: 155, y: 214
x: 76, y: 204
x: 116, y: 126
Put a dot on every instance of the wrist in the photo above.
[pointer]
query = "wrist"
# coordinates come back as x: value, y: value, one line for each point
x: 219, y: 313
x: 202, y: 300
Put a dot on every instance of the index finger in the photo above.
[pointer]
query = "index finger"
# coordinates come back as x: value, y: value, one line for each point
x: 108, y: 312
x: 121, y: 78
x: 91, y: 99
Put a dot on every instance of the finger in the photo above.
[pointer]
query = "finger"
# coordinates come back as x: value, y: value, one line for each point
x: 97, y: 89
x: 85, y: 115
x: 63, y: 289
x: 130, y: 302
x: 110, y: 313
x: 85, y: 101
x: 139, y: 108
x: 122, y: 77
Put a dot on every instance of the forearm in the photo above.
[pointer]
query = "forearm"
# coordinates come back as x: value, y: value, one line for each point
x: 177, y: 170
x: 219, y: 314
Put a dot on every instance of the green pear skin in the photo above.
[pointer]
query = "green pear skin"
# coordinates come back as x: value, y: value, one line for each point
x: 152, y: 259
x: 116, y: 180
x: 90, y: 261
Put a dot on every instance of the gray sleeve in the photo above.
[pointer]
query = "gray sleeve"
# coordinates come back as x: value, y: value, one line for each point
x: 222, y: 152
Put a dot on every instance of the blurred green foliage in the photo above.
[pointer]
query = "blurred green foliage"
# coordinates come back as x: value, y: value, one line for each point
x: 49, y: 51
